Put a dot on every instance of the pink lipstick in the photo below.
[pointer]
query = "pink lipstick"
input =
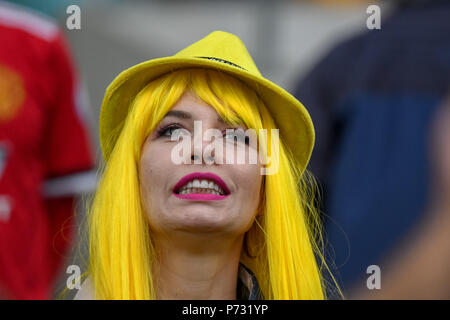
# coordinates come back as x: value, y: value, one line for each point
x: 201, y: 196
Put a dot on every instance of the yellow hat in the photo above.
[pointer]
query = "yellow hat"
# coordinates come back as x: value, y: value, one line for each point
x: 226, y: 52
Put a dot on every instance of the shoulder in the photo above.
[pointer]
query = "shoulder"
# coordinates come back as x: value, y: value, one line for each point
x: 87, y: 291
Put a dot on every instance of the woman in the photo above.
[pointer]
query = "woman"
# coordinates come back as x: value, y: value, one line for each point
x: 162, y: 230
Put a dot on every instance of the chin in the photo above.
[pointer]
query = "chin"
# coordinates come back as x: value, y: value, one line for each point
x: 202, y: 221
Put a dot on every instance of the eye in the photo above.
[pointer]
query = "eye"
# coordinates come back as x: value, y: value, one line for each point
x: 172, y: 130
x: 237, y: 135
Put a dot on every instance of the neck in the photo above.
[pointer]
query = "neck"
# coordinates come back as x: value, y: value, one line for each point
x: 200, y: 270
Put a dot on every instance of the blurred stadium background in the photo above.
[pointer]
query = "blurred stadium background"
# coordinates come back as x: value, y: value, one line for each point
x: 285, y: 37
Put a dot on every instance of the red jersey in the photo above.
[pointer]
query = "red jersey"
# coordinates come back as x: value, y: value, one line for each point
x: 42, y: 137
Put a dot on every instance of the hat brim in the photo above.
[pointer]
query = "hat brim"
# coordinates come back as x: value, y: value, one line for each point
x: 290, y: 116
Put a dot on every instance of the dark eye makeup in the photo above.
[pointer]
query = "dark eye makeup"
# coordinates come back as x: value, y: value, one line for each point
x: 160, y: 132
x: 167, y: 131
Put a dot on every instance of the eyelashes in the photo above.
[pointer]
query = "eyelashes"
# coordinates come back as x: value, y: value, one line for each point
x: 237, y: 135
x: 161, y: 132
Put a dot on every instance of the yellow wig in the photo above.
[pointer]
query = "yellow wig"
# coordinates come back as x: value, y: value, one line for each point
x: 283, y: 248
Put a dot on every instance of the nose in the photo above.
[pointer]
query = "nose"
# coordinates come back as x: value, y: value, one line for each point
x: 202, y: 150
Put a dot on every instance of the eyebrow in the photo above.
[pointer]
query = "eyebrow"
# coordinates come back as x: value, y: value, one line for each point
x: 185, y: 115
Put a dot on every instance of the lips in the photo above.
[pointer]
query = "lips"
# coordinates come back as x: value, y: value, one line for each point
x: 201, y: 176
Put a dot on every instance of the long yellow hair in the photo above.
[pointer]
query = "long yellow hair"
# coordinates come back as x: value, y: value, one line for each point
x: 282, y: 248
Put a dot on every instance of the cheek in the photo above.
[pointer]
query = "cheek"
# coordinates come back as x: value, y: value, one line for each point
x: 145, y: 181
x: 151, y: 182
x: 250, y: 184
x: 151, y: 169
x: 145, y: 169
x: 145, y: 178
x: 249, y: 181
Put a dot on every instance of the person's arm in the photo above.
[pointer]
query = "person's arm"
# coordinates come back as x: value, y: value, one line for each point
x: 420, y: 268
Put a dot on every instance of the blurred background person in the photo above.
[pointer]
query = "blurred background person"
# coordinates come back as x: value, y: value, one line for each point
x: 45, y: 156
x: 419, y: 268
x: 373, y: 99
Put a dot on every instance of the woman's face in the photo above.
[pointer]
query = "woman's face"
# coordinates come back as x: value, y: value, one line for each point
x: 188, y: 207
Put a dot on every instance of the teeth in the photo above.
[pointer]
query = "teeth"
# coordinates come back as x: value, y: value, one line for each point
x: 204, y: 184
x: 201, y: 186
x: 199, y: 190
